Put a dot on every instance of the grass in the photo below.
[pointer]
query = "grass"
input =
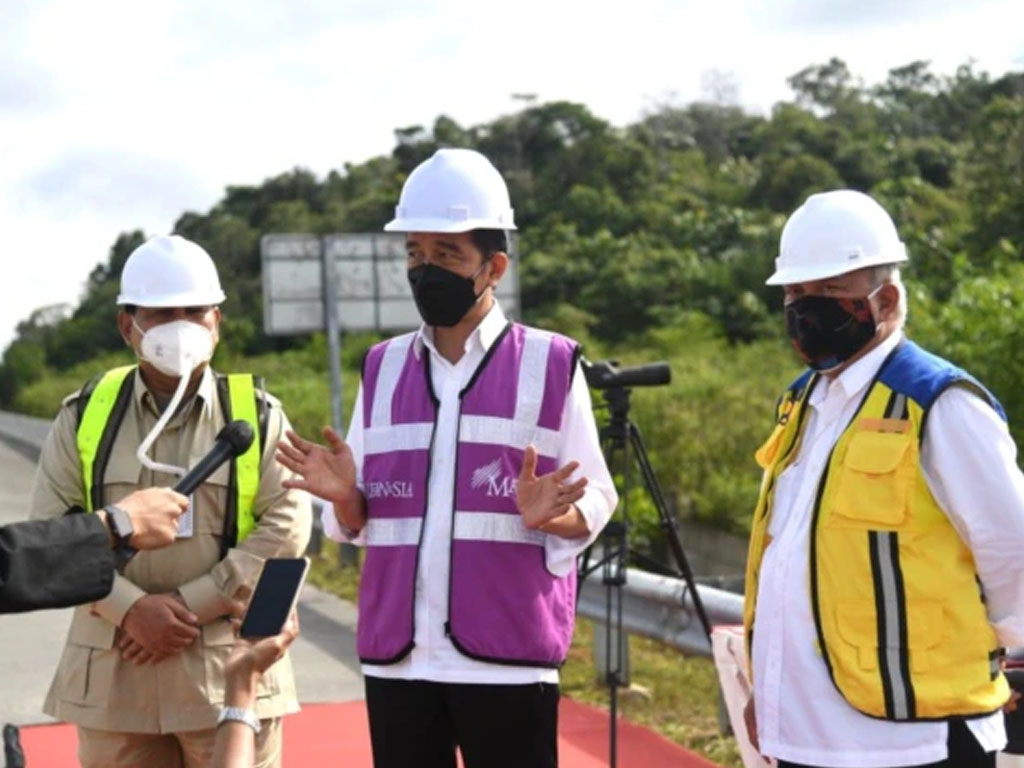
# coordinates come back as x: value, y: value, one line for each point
x: 326, y: 574
x: 672, y: 694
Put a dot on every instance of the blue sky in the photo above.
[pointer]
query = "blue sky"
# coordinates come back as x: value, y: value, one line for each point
x: 117, y: 114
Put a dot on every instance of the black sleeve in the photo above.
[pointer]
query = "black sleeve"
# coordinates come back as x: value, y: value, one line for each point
x: 54, y: 563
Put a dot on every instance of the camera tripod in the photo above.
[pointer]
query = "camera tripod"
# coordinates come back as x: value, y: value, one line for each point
x: 621, y: 441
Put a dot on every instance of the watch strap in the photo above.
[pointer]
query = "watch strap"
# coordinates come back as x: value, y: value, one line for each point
x: 239, y: 715
x: 120, y: 523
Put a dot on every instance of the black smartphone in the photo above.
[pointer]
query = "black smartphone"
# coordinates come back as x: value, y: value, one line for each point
x: 274, y: 597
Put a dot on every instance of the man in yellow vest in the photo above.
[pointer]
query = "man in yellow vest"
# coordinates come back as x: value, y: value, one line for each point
x: 885, y: 569
x: 142, y: 672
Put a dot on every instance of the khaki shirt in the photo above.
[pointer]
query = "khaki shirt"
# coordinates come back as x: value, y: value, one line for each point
x: 93, y: 686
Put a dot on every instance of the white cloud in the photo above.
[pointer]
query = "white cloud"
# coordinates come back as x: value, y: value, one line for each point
x: 117, y: 114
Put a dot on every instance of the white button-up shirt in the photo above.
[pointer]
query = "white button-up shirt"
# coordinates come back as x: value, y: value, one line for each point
x: 969, y: 461
x: 434, y: 657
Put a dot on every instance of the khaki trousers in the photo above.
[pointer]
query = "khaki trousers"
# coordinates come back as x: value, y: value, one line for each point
x: 190, y: 749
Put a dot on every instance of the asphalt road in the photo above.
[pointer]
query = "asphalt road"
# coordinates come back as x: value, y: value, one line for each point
x: 324, y: 658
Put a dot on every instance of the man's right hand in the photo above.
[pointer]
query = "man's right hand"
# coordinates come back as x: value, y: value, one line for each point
x: 328, y: 472
x: 154, y: 513
x: 159, y: 625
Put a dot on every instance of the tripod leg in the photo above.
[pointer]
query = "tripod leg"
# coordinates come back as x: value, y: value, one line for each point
x: 668, y: 524
x: 613, y: 663
x: 614, y: 559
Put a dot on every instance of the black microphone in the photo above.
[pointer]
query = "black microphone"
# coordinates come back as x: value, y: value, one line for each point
x: 231, y: 441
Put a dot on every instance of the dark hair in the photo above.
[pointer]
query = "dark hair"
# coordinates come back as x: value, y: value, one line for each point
x: 489, y: 241
x: 129, y: 308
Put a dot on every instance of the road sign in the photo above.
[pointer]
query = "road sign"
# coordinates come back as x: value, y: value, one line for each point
x: 372, y: 292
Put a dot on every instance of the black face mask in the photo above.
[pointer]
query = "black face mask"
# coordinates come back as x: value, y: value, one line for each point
x: 827, y: 331
x: 442, y: 297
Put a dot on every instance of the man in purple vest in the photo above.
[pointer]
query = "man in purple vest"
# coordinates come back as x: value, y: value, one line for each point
x: 473, y: 475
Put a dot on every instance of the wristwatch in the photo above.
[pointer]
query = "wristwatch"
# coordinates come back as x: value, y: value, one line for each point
x: 239, y: 715
x: 121, y: 526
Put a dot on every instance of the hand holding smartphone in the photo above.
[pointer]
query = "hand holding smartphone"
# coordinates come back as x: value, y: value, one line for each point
x: 275, y: 595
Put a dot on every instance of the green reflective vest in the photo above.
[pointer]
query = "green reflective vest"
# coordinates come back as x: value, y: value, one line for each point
x: 101, y: 409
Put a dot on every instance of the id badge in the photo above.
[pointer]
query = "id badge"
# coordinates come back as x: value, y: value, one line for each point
x: 186, y: 521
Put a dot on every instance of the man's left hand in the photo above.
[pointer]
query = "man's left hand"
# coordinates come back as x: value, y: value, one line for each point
x: 542, y: 499
x: 166, y: 629
x: 132, y: 651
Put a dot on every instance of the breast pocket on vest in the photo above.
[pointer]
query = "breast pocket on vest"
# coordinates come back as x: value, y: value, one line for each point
x: 874, y: 481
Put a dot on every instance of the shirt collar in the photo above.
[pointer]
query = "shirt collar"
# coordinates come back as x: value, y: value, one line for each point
x: 484, y: 334
x: 856, y: 378
x: 145, y: 399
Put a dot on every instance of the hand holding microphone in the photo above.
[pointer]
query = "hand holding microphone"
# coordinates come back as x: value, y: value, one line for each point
x: 154, y: 514
x: 148, y: 519
x: 232, y: 441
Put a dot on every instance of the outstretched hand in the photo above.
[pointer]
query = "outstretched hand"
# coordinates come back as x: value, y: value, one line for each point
x: 328, y: 472
x: 543, y: 499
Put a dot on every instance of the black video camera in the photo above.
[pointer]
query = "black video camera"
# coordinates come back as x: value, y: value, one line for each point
x: 606, y: 374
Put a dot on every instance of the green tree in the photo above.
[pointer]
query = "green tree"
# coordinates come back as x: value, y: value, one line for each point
x: 995, y: 180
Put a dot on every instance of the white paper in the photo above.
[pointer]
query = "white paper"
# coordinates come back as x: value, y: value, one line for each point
x: 185, y: 522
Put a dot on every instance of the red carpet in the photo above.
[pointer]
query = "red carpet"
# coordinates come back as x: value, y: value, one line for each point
x: 337, y: 734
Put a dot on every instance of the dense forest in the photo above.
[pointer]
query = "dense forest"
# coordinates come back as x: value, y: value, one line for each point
x: 652, y: 241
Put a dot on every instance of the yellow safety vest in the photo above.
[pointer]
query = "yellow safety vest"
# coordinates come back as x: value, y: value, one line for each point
x: 897, y: 603
x: 102, y: 407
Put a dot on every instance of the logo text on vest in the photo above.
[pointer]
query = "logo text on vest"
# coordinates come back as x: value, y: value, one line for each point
x: 489, y: 477
x: 389, y: 489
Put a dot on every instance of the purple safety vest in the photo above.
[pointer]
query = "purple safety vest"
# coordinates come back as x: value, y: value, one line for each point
x: 504, y: 606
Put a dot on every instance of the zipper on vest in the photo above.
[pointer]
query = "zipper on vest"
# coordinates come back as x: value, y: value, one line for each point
x: 426, y: 492
x: 816, y: 515
x: 451, y: 535
x: 426, y: 505
x: 813, y: 552
x: 455, y: 477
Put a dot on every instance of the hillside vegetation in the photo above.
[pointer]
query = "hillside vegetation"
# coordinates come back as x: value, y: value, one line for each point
x: 648, y: 241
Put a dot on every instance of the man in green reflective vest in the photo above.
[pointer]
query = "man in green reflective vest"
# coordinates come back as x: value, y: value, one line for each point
x: 142, y: 672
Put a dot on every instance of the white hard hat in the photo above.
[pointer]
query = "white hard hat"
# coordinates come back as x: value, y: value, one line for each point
x: 455, y: 190
x: 833, y: 233
x: 169, y: 271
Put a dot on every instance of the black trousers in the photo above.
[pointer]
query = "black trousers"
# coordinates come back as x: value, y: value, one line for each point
x: 419, y: 724
x: 964, y: 752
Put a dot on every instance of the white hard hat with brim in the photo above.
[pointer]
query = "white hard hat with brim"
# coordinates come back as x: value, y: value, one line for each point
x: 455, y: 190
x: 169, y: 271
x: 805, y: 274
x: 834, y: 233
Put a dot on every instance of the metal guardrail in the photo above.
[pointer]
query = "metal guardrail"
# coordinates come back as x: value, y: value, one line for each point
x: 661, y: 608
x: 653, y: 606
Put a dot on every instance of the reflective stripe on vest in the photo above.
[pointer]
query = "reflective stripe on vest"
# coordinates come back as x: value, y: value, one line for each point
x: 93, y: 426
x: 504, y: 605
x: 105, y: 410
x: 242, y: 396
x: 900, y: 619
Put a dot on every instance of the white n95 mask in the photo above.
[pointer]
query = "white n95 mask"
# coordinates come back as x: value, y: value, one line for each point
x: 176, y: 348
